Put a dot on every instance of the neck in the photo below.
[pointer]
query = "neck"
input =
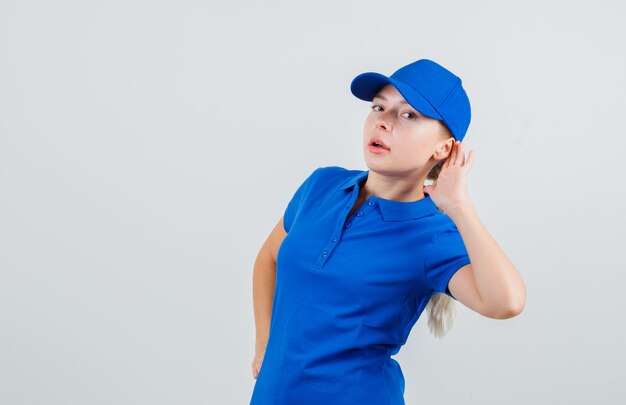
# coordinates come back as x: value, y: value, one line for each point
x: 394, y: 189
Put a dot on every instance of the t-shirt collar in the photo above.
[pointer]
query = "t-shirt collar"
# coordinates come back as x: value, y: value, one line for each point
x: 394, y: 210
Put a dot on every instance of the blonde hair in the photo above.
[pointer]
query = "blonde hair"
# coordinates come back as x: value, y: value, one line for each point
x: 441, y: 311
x: 441, y: 308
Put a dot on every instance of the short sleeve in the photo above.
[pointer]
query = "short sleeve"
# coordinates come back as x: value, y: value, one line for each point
x: 295, y: 203
x: 447, y: 255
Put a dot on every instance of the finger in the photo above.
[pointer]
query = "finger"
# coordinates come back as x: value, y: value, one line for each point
x: 455, y: 152
x: 450, y: 157
x: 461, y: 154
x: 470, y: 159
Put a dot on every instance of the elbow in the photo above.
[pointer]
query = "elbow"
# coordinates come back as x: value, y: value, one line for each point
x: 515, y: 304
x: 513, y: 311
x: 510, y: 308
x: 519, y: 302
x: 514, y: 308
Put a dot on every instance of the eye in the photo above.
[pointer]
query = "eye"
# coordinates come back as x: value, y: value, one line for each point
x: 378, y: 108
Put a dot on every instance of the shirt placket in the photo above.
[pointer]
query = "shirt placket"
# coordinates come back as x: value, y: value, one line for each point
x: 343, y: 226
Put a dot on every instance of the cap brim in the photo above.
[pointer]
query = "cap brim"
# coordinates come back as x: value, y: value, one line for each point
x: 366, y: 85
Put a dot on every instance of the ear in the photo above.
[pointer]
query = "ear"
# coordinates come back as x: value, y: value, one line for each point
x: 444, y: 149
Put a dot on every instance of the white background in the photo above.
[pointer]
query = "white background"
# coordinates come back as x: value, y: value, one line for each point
x: 147, y: 149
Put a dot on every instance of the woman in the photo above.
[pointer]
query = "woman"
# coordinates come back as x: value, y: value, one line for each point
x: 358, y: 255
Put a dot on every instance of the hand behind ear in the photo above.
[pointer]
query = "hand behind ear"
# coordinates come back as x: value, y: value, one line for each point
x: 450, y: 190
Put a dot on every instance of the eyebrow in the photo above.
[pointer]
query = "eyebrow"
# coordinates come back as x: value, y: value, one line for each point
x: 383, y: 97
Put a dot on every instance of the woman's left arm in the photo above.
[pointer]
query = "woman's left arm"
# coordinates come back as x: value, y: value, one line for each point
x: 490, y: 284
x: 498, y: 284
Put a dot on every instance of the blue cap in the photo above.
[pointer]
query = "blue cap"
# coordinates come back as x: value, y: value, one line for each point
x: 427, y: 86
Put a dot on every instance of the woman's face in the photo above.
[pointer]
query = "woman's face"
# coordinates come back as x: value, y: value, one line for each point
x: 411, y: 138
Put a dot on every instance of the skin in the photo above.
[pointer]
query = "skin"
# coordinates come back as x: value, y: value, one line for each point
x: 490, y: 285
x: 416, y: 143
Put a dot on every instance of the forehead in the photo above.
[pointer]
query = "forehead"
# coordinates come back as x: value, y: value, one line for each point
x: 389, y: 92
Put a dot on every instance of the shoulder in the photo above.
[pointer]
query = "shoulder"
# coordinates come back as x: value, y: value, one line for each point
x: 445, y: 225
x: 329, y: 172
x: 445, y: 237
x: 319, y: 180
x: 441, y: 231
x: 330, y: 175
x: 440, y: 223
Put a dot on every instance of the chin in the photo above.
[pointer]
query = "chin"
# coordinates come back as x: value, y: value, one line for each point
x: 376, y: 166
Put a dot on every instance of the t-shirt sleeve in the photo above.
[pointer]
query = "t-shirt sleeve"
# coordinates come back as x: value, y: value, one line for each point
x: 293, y: 207
x: 447, y: 255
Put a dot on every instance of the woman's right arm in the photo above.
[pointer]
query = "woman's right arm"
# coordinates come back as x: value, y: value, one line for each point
x: 263, y: 284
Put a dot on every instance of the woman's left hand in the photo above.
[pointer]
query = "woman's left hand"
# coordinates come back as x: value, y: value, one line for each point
x: 450, y: 190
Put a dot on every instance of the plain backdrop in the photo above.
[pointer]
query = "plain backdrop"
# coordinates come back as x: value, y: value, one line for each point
x: 147, y: 149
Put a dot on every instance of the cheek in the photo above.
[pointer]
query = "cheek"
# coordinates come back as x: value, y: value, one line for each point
x: 368, y: 125
x: 415, y: 149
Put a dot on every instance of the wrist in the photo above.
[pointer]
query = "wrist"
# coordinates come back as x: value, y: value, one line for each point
x: 260, y: 344
x: 460, y: 209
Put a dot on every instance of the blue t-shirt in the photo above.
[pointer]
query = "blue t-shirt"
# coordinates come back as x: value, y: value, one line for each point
x: 348, y: 291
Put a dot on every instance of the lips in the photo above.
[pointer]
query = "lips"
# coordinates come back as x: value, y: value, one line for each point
x: 379, y: 142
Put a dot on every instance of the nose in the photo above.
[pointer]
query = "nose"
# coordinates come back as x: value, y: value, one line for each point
x: 383, y: 123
